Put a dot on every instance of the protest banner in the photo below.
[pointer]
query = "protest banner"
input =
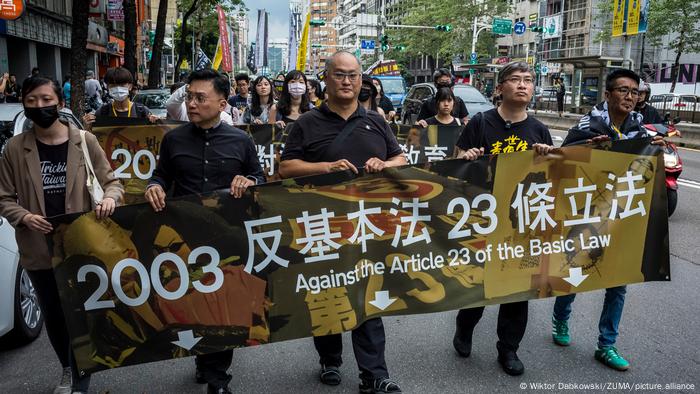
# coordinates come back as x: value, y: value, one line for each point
x: 319, y: 255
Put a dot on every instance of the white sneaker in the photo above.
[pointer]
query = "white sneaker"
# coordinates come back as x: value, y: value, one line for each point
x: 66, y: 382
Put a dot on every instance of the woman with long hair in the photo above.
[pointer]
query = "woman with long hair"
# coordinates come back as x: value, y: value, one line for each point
x: 261, y: 102
x: 368, y: 96
x: 293, y: 100
x: 384, y: 102
x: 315, y: 92
x: 48, y: 159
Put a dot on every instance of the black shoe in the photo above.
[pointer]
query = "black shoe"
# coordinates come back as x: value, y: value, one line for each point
x: 330, y: 375
x: 511, y: 363
x: 463, y: 342
x: 199, y: 376
x: 218, y: 390
x: 378, y: 386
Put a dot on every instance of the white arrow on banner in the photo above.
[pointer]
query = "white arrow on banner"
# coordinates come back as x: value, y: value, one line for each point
x: 186, y: 340
x: 575, y: 276
x: 382, y: 300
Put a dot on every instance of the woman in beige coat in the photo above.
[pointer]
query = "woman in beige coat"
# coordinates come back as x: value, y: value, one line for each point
x: 42, y: 174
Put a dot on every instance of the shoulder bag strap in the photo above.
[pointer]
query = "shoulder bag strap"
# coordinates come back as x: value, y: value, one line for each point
x: 91, y: 176
x: 336, y: 146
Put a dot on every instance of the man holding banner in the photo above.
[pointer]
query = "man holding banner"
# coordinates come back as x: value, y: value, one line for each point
x: 203, y: 156
x: 342, y: 136
x: 613, y: 119
x: 505, y: 129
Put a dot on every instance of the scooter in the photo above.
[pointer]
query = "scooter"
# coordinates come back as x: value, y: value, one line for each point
x: 672, y: 160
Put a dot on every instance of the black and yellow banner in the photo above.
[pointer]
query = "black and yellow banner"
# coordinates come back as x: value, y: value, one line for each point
x: 320, y: 255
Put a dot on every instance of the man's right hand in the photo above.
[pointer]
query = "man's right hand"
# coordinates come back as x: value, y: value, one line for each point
x: 37, y: 223
x: 156, y: 197
x: 470, y: 154
x: 422, y: 123
x: 598, y: 139
x: 341, y: 165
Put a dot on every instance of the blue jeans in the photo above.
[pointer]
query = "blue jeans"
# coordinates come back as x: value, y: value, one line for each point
x: 609, y: 317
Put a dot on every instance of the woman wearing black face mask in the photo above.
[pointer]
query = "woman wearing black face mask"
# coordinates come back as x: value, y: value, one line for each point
x: 368, y: 95
x: 48, y: 158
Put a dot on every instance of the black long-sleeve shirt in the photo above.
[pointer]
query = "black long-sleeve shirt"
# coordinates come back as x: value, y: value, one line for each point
x: 195, y: 160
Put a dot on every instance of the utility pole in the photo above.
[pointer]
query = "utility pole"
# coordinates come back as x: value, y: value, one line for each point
x: 475, y: 37
x: 382, y: 26
x: 627, y: 54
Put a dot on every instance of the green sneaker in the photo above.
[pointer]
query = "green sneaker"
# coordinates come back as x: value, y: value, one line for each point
x: 560, y: 332
x: 611, y: 358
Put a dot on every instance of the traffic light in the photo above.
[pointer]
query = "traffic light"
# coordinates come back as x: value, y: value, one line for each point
x: 317, y: 22
x: 400, y: 47
x: 385, y: 42
x: 445, y: 28
x: 537, y: 29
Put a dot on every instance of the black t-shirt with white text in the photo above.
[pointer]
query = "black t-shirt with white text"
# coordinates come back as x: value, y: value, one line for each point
x: 488, y: 130
x: 52, y: 160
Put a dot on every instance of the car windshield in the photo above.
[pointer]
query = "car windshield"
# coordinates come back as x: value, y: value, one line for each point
x: 155, y: 100
x: 392, y: 86
x: 469, y: 95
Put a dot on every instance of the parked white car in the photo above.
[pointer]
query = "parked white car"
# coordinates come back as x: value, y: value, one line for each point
x: 20, y: 317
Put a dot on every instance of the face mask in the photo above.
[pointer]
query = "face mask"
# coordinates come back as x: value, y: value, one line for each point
x: 365, y: 94
x: 297, y: 89
x: 43, y: 116
x: 120, y: 93
x: 444, y: 85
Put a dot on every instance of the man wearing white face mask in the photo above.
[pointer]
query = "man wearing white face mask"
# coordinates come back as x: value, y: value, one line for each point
x: 293, y: 100
x: 119, y: 82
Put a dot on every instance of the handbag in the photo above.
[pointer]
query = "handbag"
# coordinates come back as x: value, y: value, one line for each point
x: 93, y: 184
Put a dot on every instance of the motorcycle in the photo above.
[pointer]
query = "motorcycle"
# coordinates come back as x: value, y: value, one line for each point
x: 672, y: 160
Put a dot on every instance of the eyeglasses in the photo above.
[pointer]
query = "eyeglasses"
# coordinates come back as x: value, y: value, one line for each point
x: 624, y: 91
x: 197, y: 97
x: 517, y: 81
x: 339, y: 76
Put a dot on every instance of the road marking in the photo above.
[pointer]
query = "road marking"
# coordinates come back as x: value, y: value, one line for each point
x: 689, y: 183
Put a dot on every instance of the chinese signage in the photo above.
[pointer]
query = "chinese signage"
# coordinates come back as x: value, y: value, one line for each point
x: 552, y: 26
x: 115, y: 10
x: 502, y: 26
x: 320, y: 255
x: 388, y: 67
x: 11, y: 9
x: 630, y: 17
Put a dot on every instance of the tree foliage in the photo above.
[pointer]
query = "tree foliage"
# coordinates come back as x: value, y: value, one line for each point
x: 201, y: 16
x: 677, y: 20
x: 458, y: 14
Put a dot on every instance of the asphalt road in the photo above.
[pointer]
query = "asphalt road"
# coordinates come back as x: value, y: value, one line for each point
x: 660, y: 336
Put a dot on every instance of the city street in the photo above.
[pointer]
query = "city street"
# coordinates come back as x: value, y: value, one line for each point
x: 658, y: 335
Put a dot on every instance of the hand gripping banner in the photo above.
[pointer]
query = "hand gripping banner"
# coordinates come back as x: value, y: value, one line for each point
x: 320, y: 255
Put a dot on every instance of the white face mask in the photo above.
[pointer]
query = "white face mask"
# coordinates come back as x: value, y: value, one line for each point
x: 120, y: 93
x: 297, y: 89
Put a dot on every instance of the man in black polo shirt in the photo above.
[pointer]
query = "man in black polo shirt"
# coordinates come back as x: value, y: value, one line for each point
x: 442, y: 79
x: 203, y: 156
x: 341, y: 135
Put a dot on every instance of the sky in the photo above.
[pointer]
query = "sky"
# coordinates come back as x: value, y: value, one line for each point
x: 278, y: 24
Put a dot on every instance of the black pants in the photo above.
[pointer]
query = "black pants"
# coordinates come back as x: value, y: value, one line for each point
x: 368, y: 342
x: 214, y: 367
x: 47, y: 292
x: 512, y: 321
x: 560, y: 104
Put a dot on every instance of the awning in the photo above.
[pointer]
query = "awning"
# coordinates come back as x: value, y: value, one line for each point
x: 96, y: 48
x: 589, y: 61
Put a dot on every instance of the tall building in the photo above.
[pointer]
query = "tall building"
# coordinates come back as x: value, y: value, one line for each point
x: 277, y: 58
x: 326, y: 36
x: 240, y: 25
x: 356, y: 22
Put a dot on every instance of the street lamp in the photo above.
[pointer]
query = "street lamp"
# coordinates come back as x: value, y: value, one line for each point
x: 475, y: 35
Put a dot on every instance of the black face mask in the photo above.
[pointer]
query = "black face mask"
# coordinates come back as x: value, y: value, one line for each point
x: 444, y: 85
x: 43, y: 116
x: 365, y: 94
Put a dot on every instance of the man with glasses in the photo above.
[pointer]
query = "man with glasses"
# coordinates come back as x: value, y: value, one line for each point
x: 338, y: 136
x: 177, y: 107
x: 200, y: 157
x: 505, y: 129
x: 613, y: 119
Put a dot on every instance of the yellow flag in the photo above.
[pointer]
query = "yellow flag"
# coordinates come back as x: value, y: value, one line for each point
x: 218, y: 56
x: 633, y: 8
x: 618, y: 17
x: 301, y: 55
